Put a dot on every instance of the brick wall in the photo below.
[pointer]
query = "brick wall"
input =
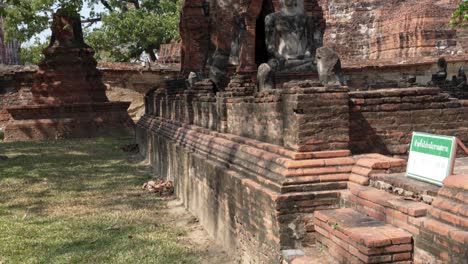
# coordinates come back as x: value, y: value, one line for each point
x: 391, y: 30
x: 382, y: 120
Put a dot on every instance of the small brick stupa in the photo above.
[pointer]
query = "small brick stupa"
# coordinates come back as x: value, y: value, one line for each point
x: 69, y: 99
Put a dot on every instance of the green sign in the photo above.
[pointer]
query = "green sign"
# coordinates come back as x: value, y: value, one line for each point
x: 431, y: 157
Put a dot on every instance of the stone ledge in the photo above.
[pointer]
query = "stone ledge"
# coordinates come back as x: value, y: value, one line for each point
x: 387, y: 200
x: 399, y: 184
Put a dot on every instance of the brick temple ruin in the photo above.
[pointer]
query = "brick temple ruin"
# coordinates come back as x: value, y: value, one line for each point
x: 273, y: 171
x: 68, y: 98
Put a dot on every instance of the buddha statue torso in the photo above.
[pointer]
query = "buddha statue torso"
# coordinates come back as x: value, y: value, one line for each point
x: 289, y: 41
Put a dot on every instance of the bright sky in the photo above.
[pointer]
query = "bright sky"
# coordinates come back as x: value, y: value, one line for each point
x: 44, y: 35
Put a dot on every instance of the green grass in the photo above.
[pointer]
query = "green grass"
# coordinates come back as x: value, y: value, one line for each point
x: 79, y: 201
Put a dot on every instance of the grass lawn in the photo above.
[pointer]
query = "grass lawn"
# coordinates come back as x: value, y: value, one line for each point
x: 79, y: 201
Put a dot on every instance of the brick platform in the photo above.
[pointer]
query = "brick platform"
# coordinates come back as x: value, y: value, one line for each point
x: 255, y: 166
x: 355, y: 238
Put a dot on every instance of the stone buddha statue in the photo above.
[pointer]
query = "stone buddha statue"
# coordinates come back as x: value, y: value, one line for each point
x: 289, y: 41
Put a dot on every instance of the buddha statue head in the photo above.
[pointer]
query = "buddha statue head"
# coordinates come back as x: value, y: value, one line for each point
x: 292, y: 7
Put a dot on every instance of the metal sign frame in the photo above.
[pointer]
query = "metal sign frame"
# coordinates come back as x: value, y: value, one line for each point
x: 432, y: 151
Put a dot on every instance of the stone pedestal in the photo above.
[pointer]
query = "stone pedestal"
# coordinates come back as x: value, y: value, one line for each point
x: 68, y: 95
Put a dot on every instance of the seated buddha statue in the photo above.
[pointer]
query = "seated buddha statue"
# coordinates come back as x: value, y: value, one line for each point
x: 289, y: 41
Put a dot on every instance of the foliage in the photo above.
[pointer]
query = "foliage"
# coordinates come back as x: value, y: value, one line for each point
x: 128, y: 27
x: 460, y: 16
x: 80, y: 201
x: 125, y: 35
x: 32, y: 54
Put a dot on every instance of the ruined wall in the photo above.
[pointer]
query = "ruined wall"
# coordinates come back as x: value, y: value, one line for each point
x: 383, y: 120
x: 124, y: 82
x: 369, y: 75
x: 15, y: 89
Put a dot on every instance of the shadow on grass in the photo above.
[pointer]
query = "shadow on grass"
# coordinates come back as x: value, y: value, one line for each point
x: 72, y: 166
x: 46, y: 188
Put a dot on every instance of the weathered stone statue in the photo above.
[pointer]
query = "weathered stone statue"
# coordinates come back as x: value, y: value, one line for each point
x: 191, y: 80
x: 438, y: 79
x: 461, y: 78
x: 329, y: 67
x: 66, y: 30
x: 289, y: 41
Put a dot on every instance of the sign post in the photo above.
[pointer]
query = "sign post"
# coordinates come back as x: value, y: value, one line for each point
x: 431, y: 157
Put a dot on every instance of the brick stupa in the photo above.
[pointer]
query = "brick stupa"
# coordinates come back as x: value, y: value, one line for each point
x: 69, y: 99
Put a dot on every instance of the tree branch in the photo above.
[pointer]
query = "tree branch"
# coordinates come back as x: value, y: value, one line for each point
x: 91, y: 20
x: 107, y: 5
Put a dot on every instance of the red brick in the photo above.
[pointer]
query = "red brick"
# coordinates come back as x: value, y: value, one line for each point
x: 401, y: 256
x: 396, y: 214
x: 369, y: 237
x: 331, y: 154
x: 299, y: 164
x: 444, y: 255
x: 385, y: 250
x: 321, y: 216
x: 456, y: 181
x: 411, y: 208
x: 322, y: 231
x: 376, y: 196
x: 316, y: 171
x: 462, y: 197
x: 404, y: 225
x: 448, y: 205
x: 355, y: 252
x: 459, y: 236
x: 340, y: 242
x: 416, y: 221
x: 371, y: 212
x: 361, y: 171
x: 373, y: 163
x: 398, y: 236
x: 334, y: 177
x: 355, y: 188
x: 339, y: 161
x: 437, y: 227
x: 369, y: 204
x: 359, y: 179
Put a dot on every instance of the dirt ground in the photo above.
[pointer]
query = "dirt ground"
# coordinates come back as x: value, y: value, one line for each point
x: 196, y: 237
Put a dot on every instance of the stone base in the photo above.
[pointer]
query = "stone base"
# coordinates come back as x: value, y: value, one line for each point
x: 83, y: 120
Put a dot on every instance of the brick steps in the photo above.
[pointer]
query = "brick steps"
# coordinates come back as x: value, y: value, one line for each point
x: 396, y: 210
x: 444, y: 232
x: 352, y: 237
